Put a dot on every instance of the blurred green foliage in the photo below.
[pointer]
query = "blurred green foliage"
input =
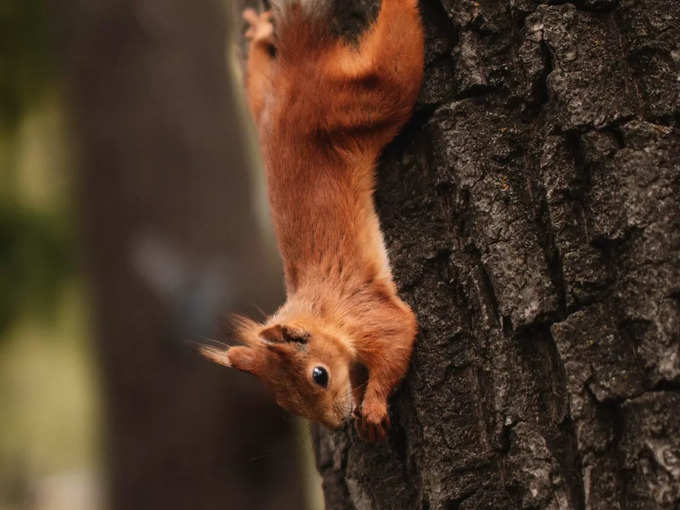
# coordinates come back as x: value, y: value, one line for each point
x: 36, y: 242
x: 47, y: 414
x: 36, y: 258
x: 27, y: 63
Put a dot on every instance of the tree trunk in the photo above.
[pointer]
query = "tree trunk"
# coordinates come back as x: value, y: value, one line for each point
x: 171, y: 242
x: 532, y: 215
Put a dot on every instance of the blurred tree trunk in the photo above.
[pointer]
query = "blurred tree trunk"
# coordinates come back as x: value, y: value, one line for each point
x: 172, y: 240
x: 532, y: 215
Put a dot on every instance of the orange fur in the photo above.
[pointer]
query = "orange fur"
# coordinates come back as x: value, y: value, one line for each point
x: 324, y: 110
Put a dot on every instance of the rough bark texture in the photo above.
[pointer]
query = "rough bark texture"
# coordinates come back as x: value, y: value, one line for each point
x: 532, y: 215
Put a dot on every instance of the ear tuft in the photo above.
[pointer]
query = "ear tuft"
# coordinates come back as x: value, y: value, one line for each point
x: 245, y: 330
x: 280, y: 333
x: 219, y: 356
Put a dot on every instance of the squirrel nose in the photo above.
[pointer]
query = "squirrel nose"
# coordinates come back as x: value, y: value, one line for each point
x: 355, y: 412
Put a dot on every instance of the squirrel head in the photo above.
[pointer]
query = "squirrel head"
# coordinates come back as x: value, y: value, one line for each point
x: 306, y: 367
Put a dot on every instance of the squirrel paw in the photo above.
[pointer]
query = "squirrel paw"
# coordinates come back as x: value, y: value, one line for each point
x: 374, y: 421
x: 260, y: 27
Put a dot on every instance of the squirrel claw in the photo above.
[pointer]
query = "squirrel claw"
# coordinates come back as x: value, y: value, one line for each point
x: 374, y: 422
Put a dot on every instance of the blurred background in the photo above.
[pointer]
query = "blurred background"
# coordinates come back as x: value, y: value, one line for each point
x: 132, y: 220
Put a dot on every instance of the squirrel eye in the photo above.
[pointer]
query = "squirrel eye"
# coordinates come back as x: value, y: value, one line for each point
x: 320, y: 376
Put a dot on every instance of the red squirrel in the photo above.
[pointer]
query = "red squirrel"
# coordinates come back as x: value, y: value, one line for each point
x: 324, y: 109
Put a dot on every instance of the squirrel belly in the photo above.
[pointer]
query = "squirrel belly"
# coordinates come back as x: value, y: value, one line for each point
x: 324, y: 110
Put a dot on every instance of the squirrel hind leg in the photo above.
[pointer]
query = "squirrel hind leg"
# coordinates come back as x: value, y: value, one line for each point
x: 375, y: 84
x: 302, y: 27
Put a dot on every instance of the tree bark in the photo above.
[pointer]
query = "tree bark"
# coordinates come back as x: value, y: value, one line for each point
x: 532, y: 215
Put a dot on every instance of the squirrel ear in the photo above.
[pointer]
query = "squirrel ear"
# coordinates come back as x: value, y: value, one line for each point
x: 245, y: 359
x: 280, y: 333
x: 241, y: 358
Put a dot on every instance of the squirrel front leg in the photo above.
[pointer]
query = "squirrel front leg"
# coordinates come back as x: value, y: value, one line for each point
x: 259, y: 68
x: 386, y: 356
